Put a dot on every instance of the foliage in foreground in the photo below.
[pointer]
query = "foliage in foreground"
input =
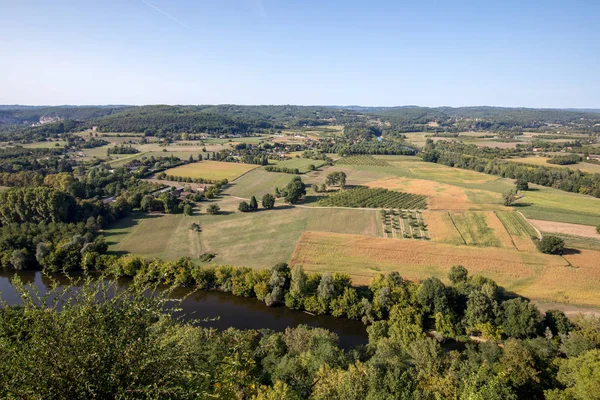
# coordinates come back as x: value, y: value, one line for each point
x: 102, y: 341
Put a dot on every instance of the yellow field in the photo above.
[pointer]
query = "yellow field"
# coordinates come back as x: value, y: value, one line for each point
x: 534, y: 275
x: 442, y: 196
x: 582, y: 166
x: 213, y: 170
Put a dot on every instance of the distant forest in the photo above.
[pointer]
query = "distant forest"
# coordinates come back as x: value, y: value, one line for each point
x: 23, y: 122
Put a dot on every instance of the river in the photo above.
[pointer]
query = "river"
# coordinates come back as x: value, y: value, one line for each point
x: 232, y: 311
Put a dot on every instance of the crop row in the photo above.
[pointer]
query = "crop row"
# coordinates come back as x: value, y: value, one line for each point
x: 374, y: 198
x: 362, y: 160
x: 404, y: 224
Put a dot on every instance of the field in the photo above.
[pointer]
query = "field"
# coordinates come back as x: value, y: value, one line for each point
x: 362, y: 160
x: 258, y: 182
x: 362, y: 197
x: 301, y: 163
x: 537, y: 276
x: 582, y: 166
x: 213, y: 170
x: 550, y: 204
x: 259, y: 239
x: 465, y: 223
x: 404, y: 224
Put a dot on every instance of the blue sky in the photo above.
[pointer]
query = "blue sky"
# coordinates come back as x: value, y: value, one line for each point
x: 506, y: 53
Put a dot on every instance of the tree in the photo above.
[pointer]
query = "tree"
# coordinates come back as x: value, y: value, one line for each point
x: 268, y: 201
x: 551, y: 245
x: 187, y: 209
x: 191, y: 159
x: 520, y: 318
x: 458, y: 274
x: 213, y: 209
x: 522, y: 184
x: 244, y: 206
x: 336, y: 178
x: 253, y: 204
x: 598, y: 229
x: 581, y: 376
x: 295, y: 190
x: 509, y: 197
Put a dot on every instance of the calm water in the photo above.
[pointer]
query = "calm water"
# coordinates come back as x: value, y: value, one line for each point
x: 232, y: 311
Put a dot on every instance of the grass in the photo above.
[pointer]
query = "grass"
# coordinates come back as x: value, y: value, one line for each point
x: 46, y: 145
x: 534, y: 275
x: 362, y: 197
x: 362, y: 160
x: 213, y: 170
x: 258, y: 239
x: 301, y: 163
x: 474, y: 229
x: 258, y: 182
x: 555, y: 205
x: 515, y: 224
x: 582, y: 166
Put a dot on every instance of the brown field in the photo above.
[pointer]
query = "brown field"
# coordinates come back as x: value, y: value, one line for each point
x: 441, y: 229
x: 442, y: 196
x: 534, y: 275
x: 566, y: 229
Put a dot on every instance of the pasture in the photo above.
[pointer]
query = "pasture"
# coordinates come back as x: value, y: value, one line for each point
x: 258, y: 239
x: 213, y: 170
x: 582, y: 166
x: 535, y: 275
x: 303, y: 164
x: 257, y: 182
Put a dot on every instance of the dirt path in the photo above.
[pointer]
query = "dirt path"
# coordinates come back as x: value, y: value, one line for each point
x: 570, y: 310
x: 565, y: 228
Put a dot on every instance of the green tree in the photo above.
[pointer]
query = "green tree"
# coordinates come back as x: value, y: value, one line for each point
x: 551, y: 245
x: 520, y: 318
x: 581, y: 376
x: 509, y: 197
x: 268, y: 201
x: 458, y: 274
x: 522, y: 184
x: 253, y: 204
x: 188, y: 209
x: 295, y: 190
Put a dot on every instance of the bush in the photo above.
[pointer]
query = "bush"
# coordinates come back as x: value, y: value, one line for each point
x: 244, y: 206
x: 551, y: 245
x: 268, y: 201
x: 213, y: 209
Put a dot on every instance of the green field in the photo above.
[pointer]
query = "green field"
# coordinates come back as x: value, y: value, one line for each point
x: 257, y: 183
x: 515, y: 224
x: 258, y: 239
x: 362, y: 197
x: 582, y: 166
x: 555, y: 205
x: 362, y: 160
x: 301, y: 163
x: 45, y: 145
x: 474, y: 229
x: 213, y: 170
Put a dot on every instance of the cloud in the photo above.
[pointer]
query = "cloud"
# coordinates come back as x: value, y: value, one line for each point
x: 166, y: 14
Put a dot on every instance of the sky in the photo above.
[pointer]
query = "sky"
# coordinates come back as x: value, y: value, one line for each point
x: 528, y: 53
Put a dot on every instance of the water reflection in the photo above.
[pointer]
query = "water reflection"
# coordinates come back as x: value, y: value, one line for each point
x: 231, y: 311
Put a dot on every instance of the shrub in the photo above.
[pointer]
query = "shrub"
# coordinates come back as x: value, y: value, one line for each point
x: 213, y: 209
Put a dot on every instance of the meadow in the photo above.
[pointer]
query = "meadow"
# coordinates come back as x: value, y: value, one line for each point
x: 259, y: 239
x: 573, y: 278
x: 302, y: 164
x: 582, y: 166
x: 258, y: 182
x: 213, y: 170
